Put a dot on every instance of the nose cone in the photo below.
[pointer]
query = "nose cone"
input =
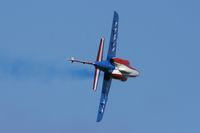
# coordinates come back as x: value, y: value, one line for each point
x: 134, y: 73
x: 137, y: 73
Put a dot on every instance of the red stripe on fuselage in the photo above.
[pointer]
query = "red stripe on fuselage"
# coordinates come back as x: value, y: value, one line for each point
x: 121, y: 61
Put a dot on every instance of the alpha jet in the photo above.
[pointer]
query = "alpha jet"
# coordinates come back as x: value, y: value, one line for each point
x: 113, y: 67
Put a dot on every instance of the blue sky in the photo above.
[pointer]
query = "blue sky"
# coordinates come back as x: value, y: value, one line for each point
x: 41, y: 92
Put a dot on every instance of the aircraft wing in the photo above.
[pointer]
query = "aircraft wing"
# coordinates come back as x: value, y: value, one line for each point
x: 104, y: 96
x: 113, y: 37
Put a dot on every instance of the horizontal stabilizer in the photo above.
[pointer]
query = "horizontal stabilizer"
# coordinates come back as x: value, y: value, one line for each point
x: 99, y: 58
x: 96, y: 78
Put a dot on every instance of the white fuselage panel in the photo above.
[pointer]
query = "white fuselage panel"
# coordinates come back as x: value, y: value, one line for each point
x: 125, y: 70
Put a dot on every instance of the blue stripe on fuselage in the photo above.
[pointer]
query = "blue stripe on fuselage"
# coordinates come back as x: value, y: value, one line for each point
x: 105, y: 66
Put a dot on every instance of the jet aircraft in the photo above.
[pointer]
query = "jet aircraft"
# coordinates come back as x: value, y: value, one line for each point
x: 113, y: 67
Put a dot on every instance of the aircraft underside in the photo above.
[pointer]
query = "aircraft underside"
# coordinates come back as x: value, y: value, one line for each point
x: 113, y: 68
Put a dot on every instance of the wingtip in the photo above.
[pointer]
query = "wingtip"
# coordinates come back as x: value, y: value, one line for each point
x: 116, y: 16
x: 103, y: 38
x: 115, y: 12
x: 99, y: 117
x: 98, y: 120
x: 94, y: 89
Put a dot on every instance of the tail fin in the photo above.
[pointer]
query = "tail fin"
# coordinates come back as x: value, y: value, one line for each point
x: 99, y: 58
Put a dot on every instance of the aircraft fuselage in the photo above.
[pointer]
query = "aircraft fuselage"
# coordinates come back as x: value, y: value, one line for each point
x: 117, y: 68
